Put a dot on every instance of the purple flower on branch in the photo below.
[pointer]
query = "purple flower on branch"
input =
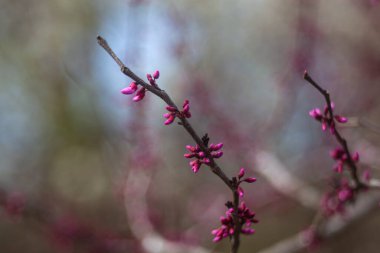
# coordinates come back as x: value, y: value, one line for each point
x: 227, y: 229
x: 196, y: 152
x: 325, y: 118
x: 173, y: 112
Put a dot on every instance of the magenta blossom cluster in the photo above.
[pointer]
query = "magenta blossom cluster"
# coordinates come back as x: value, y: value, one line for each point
x: 173, y: 112
x: 246, y: 218
x: 340, y: 156
x: 325, y: 118
x: 334, y: 201
x: 196, y: 152
x: 240, y: 180
x: 140, y: 94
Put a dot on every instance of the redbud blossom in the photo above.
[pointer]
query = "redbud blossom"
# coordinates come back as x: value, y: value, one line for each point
x: 196, y: 152
x: 246, y: 217
x: 130, y: 89
x: 340, y: 156
x: 139, y: 95
x: 334, y: 201
x: 241, y: 173
x: 156, y: 74
x: 240, y: 180
x: 173, y: 112
x: 325, y: 118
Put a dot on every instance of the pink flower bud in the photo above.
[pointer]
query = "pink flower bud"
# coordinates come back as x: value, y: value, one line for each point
x: 324, y: 125
x: 355, y: 157
x: 217, y: 239
x: 240, y: 191
x: 169, y: 120
x: 191, y: 148
x: 215, y: 147
x: 130, y: 89
x: 156, y: 74
x: 189, y: 155
x: 186, y: 108
x: 341, y: 119
x: 250, y: 180
x: 315, y: 113
x: 241, y: 173
x: 217, y: 154
x: 195, y: 167
x: 205, y: 161
x: 339, y: 167
x: 248, y: 231
x: 344, y: 194
x: 139, y: 95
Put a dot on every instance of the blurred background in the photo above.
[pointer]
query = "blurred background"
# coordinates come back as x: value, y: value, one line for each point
x: 85, y: 169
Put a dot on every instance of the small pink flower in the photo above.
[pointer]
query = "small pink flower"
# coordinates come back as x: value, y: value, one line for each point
x: 139, y: 95
x: 173, y: 112
x: 200, y: 156
x: 341, y: 119
x: 241, y: 173
x: 215, y: 147
x: 334, y: 201
x: 246, y: 217
x: 152, y: 79
x: 217, y: 154
x: 355, y: 157
x: 250, y: 180
x: 325, y: 118
x: 170, y: 118
x: 130, y: 89
x: 156, y: 74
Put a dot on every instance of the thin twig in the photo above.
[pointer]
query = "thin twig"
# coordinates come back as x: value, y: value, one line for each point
x: 351, y: 164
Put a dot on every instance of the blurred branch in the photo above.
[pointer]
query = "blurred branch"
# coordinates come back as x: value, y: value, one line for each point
x: 342, y: 141
x: 285, y: 182
x: 332, y: 226
x: 136, y: 207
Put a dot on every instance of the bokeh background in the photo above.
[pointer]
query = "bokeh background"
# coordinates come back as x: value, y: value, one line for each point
x: 85, y: 169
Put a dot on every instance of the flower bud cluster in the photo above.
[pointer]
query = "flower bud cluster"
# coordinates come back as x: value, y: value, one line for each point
x: 334, y: 201
x: 325, y: 118
x: 246, y: 218
x: 196, y: 152
x: 340, y: 156
x: 140, y: 94
x: 240, y: 180
x: 173, y: 112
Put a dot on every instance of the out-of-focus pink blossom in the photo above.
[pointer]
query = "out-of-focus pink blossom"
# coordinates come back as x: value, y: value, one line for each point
x: 335, y: 200
x: 340, y: 156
